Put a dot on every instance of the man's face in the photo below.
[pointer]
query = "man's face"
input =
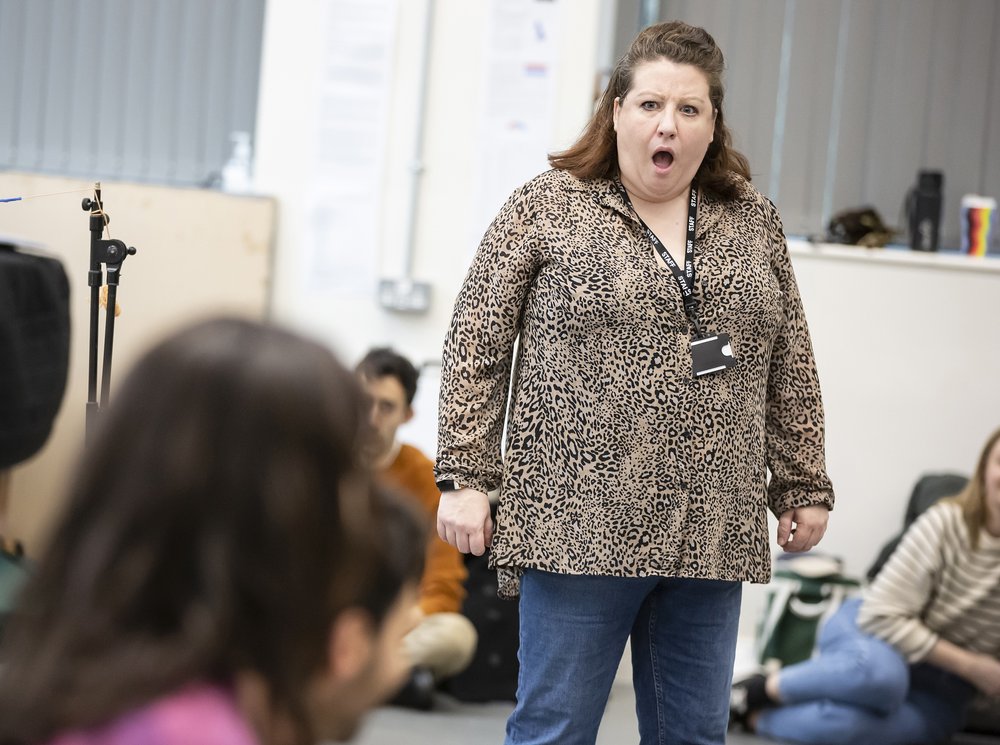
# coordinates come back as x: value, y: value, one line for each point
x: 389, y: 410
x: 367, y: 667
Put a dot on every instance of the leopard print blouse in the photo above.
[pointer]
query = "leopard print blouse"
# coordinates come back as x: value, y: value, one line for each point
x: 618, y: 462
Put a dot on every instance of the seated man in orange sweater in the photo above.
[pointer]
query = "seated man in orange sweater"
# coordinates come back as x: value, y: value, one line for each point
x: 443, y: 643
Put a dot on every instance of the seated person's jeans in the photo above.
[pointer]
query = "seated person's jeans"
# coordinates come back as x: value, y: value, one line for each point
x: 859, y: 689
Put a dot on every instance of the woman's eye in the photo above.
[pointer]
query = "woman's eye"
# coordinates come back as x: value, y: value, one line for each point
x: 649, y: 105
x: 690, y: 110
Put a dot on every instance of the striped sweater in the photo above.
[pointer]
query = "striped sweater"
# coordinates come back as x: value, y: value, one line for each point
x: 935, y: 586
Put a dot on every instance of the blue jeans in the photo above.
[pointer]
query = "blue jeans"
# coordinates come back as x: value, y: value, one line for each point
x: 573, y: 632
x: 860, y: 689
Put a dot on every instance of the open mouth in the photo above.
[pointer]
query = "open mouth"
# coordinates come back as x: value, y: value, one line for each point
x: 663, y: 159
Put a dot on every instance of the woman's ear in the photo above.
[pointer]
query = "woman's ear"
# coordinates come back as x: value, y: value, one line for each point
x: 350, y: 645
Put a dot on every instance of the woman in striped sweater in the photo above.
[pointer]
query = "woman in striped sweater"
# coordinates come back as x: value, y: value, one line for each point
x: 900, y: 664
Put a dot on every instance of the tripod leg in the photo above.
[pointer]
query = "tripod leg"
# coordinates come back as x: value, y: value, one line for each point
x: 109, y: 338
x: 92, y: 407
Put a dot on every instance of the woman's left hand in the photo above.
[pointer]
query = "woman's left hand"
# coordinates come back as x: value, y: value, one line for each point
x: 801, y: 528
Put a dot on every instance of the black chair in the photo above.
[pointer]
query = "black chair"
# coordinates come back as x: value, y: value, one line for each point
x: 928, y: 490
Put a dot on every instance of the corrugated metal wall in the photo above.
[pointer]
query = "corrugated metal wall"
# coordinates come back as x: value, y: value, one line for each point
x: 138, y: 90
x: 839, y: 103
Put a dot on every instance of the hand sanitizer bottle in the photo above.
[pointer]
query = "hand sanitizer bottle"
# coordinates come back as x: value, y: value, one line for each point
x: 236, y: 176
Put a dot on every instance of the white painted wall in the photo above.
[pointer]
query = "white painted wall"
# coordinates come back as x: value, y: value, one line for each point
x: 444, y: 242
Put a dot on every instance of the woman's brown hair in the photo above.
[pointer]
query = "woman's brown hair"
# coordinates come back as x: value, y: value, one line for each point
x: 218, y: 523
x: 595, y: 154
x: 972, y: 499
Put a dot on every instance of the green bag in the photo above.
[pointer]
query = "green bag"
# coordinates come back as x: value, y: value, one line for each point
x: 803, y: 592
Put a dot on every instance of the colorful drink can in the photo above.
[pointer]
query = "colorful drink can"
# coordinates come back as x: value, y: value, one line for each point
x: 979, y: 228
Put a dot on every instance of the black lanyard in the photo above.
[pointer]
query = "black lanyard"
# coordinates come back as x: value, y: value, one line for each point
x: 685, y: 278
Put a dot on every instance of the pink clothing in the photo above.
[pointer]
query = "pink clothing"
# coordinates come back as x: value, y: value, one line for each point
x: 195, y: 715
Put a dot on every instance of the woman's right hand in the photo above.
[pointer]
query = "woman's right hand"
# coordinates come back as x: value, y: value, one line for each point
x: 981, y: 670
x: 984, y: 674
x: 464, y: 520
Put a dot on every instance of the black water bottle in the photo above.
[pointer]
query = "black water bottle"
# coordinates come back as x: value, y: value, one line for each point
x: 924, y: 211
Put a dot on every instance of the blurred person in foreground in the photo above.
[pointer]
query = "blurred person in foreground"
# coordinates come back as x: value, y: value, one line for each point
x: 224, y: 572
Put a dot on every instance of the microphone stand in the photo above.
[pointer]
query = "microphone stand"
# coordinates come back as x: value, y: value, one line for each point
x: 112, y: 253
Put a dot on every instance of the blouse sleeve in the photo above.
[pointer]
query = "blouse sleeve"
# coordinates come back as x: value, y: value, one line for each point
x: 794, y: 410
x: 895, y: 601
x: 476, y: 363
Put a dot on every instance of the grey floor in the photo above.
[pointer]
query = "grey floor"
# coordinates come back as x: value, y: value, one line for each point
x: 455, y: 723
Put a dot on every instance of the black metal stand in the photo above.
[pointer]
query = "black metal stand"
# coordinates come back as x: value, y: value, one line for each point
x: 112, y: 253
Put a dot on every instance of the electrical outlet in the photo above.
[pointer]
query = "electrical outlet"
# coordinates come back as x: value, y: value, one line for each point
x: 404, y: 295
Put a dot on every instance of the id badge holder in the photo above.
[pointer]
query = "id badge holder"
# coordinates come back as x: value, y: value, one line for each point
x: 712, y: 354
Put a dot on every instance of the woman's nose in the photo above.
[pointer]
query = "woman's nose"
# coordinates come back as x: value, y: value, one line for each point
x: 667, y: 126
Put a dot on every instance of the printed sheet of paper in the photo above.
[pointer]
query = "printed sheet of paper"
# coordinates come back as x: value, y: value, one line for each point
x: 518, y: 107
x: 355, y: 83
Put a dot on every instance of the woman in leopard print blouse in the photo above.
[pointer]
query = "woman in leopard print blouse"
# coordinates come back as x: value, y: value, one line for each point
x: 663, y: 367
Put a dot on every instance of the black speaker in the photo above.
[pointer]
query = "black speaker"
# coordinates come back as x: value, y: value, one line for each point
x: 34, y: 349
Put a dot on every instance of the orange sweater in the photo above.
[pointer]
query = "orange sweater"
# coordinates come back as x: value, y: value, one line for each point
x: 442, y: 587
